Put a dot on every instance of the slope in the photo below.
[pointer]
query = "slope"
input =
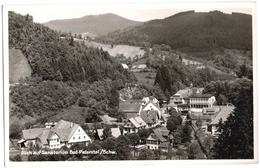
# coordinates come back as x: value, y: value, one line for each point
x: 95, y: 24
x: 18, y: 66
x: 191, y: 31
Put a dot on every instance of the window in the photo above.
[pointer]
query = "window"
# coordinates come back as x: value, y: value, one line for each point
x: 84, y: 137
x: 79, y: 137
x: 79, y: 130
x: 73, y: 137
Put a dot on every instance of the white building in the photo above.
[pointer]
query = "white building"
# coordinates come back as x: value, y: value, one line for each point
x: 182, y: 96
x: 158, y: 139
x: 198, y: 102
x: 63, y: 133
x: 133, y: 125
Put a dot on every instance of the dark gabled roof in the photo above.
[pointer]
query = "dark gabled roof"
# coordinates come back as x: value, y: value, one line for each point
x: 43, y: 134
x: 201, y: 95
x: 149, y: 116
x: 137, y: 122
x: 160, y: 134
x: 187, y: 92
x: 128, y: 107
x: 202, y: 117
x: 32, y: 133
x: 223, y: 114
x: 65, y: 129
x: 164, y: 131
x: 184, y: 93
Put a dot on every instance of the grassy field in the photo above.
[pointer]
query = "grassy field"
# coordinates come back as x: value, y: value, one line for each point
x: 18, y: 66
x: 126, y: 50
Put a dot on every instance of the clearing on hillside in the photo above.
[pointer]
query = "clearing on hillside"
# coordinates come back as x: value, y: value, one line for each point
x: 126, y: 50
x: 19, y: 67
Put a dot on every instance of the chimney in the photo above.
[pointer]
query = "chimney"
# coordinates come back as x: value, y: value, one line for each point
x: 71, y: 124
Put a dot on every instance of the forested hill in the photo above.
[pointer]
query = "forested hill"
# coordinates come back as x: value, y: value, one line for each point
x: 191, y: 31
x: 95, y: 24
x: 55, y: 58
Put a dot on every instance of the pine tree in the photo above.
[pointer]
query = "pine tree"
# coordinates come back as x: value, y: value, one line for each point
x: 236, y: 138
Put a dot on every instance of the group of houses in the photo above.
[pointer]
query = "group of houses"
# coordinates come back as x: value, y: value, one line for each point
x: 54, y: 135
x: 146, y: 114
x: 140, y: 114
x: 200, y: 106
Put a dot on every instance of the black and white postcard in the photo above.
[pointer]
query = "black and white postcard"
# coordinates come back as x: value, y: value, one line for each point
x: 135, y: 82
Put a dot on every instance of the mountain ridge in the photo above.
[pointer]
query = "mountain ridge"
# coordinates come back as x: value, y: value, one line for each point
x: 190, y: 30
x: 97, y: 24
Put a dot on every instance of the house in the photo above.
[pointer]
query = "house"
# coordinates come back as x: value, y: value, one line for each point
x: 198, y: 102
x: 182, y: 96
x: 133, y: 125
x: 63, y: 133
x: 70, y: 133
x: 147, y: 109
x: 130, y: 108
x: 150, y: 117
x: 150, y: 99
x: 181, y: 99
x: 223, y: 114
x: 158, y: 139
x: 150, y: 104
x: 35, y: 137
x: 204, y: 118
x: 115, y: 132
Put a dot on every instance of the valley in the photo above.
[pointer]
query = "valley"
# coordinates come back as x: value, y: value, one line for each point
x: 144, y: 91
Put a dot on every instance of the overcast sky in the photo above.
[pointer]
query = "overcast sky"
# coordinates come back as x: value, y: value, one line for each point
x: 46, y: 13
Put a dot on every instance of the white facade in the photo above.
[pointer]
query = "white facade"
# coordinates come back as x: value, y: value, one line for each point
x: 79, y: 135
x: 197, y: 104
x: 177, y: 99
x: 54, y: 142
x: 150, y: 106
x: 152, y: 143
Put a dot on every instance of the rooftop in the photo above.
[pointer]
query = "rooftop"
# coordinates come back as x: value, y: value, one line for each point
x: 160, y: 133
x: 187, y: 92
x: 149, y: 116
x: 201, y: 95
x: 137, y: 122
x: 129, y: 107
x: 223, y: 114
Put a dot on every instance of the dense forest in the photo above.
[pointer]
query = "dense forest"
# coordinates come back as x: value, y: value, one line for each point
x: 65, y: 73
x: 53, y: 58
x: 191, y: 31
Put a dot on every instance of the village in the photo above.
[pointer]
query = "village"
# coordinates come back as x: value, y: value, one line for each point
x: 146, y: 115
x: 105, y: 87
